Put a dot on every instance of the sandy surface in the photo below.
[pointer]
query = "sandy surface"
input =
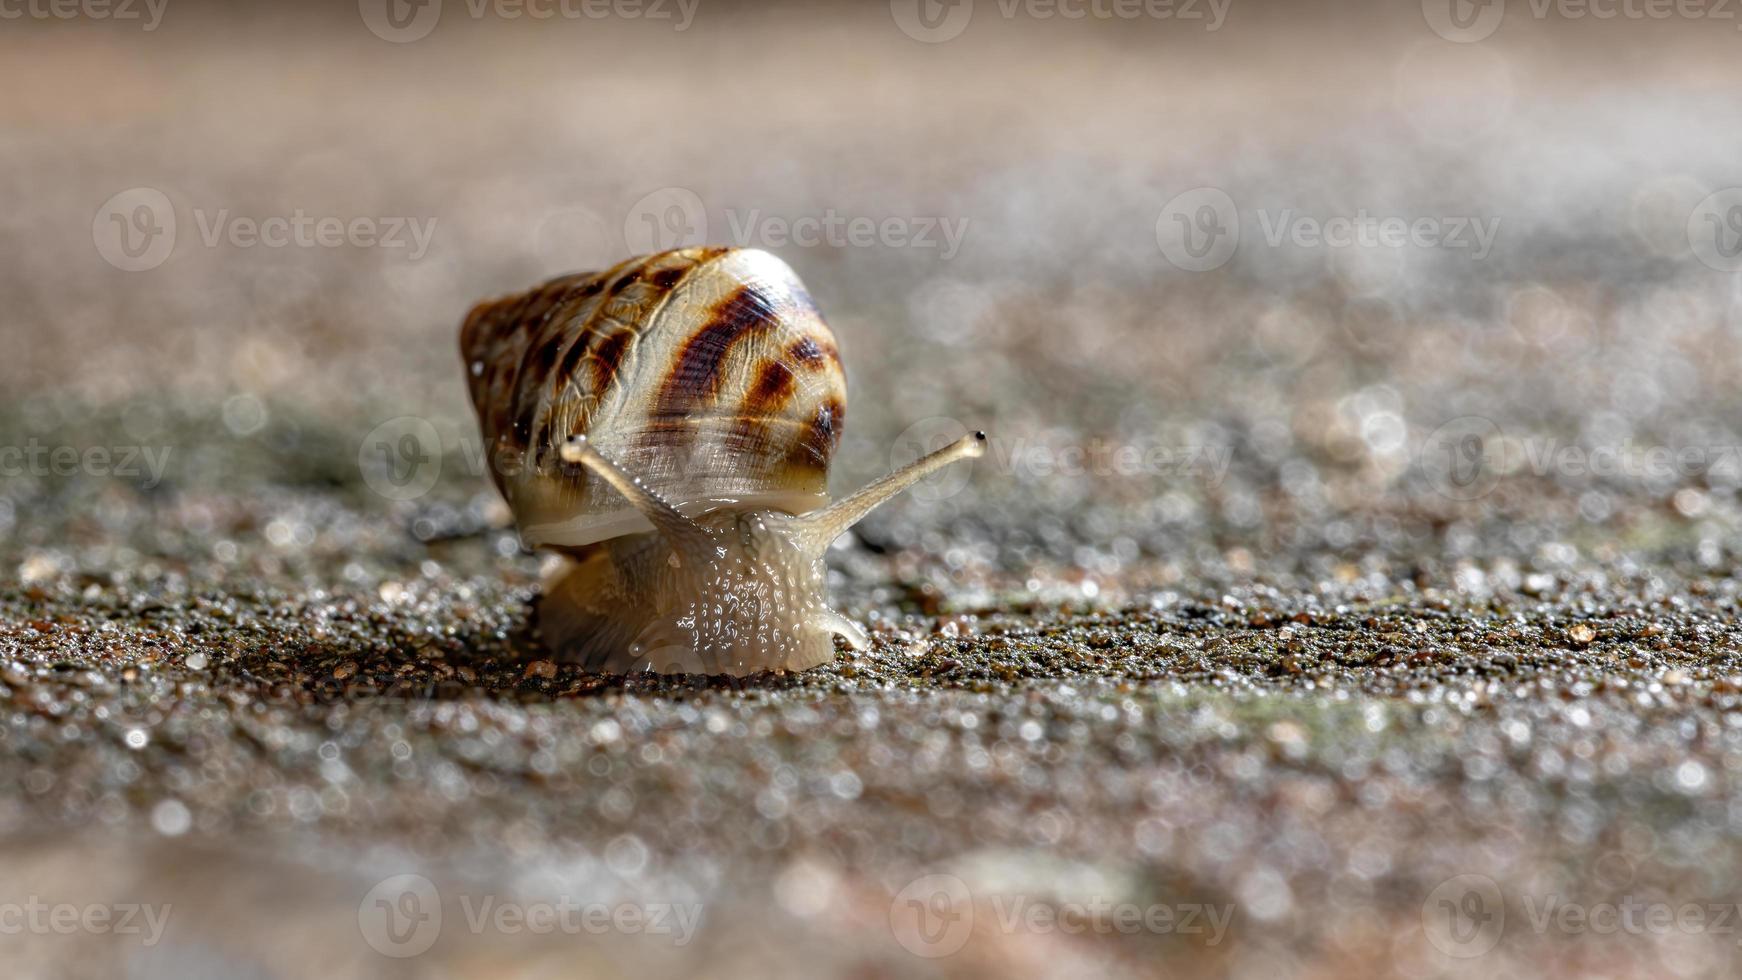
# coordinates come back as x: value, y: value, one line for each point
x: 1232, y: 658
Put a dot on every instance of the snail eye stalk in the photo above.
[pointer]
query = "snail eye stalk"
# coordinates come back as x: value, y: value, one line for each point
x: 814, y: 532
x: 684, y: 534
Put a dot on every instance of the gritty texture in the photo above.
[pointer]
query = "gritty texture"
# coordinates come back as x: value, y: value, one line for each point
x: 1318, y: 755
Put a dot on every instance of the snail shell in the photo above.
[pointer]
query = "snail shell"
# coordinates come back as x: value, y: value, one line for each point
x: 706, y: 372
x: 667, y: 425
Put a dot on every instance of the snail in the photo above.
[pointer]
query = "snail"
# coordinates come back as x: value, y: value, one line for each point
x: 666, y: 427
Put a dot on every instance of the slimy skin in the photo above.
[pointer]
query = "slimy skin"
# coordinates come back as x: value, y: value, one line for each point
x: 724, y: 593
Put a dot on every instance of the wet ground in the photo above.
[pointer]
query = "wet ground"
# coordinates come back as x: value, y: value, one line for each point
x: 1330, y: 612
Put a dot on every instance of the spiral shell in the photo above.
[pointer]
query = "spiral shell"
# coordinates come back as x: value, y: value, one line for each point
x: 707, y: 372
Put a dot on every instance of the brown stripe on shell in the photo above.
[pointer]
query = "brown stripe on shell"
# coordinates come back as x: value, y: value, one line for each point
x: 774, y: 385
x: 491, y: 321
x: 494, y: 326
x: 504, y: 335
x: 807, y: 351
x: 639, y: 270
x: 572, y: 359
x: 694, y: 376
x: 626, y: 280
x: 606, y: 355
x: 817, y: 444
x: 549, y: 351
x: 602, y: 343
x: 538, y: 384
x: 527, y: 395
x: 665, y: 279
x: 607, y: 358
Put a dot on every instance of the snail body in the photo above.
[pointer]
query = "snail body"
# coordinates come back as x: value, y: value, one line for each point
x: 667, y: 426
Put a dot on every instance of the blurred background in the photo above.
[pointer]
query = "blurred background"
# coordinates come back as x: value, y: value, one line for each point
x: 1327, y: 303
